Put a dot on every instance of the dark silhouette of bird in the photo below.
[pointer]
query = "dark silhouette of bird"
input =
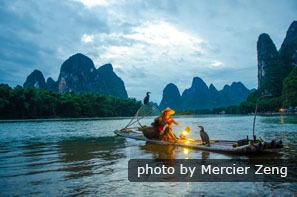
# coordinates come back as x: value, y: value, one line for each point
x: 204, y: 136
x: 146, y: 98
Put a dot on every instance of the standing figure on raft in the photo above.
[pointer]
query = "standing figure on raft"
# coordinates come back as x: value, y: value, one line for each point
x: 163, y: 125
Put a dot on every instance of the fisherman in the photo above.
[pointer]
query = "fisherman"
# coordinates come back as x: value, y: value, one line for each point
x: 163, y: 125
x: 204, y: 136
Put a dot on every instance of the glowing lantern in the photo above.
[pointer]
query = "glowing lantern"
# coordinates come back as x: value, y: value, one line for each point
x: 184, y: 133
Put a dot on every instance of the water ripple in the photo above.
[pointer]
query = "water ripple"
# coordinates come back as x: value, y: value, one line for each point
x: 74, y: 158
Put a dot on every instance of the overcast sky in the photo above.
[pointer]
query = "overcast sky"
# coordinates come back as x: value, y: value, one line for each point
x: 149, y: 43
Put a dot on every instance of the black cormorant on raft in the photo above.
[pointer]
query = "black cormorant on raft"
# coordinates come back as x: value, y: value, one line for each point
x: 146, y: 98
x: 204, y: 136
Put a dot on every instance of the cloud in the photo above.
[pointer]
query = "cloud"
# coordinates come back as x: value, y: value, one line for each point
x: 156, y: 47
x: 41, y: 35
x: 87, y: 38
x: 92, y: 3
x: 216, y: 63
x: 150, y: 43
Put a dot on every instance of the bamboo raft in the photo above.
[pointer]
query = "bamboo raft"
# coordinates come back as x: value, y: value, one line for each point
x: 223, y: 146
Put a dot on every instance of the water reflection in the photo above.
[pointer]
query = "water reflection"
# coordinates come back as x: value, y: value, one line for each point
x: 204, y: 155
x: 84, y: 157
x: 80, y: 149
x: 159, y: 151
x: 164, y: 152
x: 282, y: 119
x: 279, y: 119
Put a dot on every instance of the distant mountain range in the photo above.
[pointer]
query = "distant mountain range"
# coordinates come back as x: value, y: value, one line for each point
x: 276, y: 76
x: 199, y: 96
x: 79, y: 74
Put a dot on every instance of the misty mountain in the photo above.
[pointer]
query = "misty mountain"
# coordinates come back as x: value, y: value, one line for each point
x: 78, y: 74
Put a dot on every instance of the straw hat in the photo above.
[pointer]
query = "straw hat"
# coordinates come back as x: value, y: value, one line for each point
x: 168, y: 110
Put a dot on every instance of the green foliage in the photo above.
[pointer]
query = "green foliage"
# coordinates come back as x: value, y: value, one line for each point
x: 286, y: 99
x: 265, y: 104
x: 289, y: 97
x: 5, y: 92
x: 28, y: 102
x: 249, y: 105
x: 275, y: 74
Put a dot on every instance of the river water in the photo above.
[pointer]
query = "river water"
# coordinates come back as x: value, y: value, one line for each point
x: 84, y: 157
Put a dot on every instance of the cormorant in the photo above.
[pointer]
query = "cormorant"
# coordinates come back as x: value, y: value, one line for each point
x: 146, y: 98
x: 204, y: 136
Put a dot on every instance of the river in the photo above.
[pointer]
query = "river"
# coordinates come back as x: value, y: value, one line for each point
x: 84, y: 157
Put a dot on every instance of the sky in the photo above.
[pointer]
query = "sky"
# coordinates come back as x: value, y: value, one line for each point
x: 149, y: 43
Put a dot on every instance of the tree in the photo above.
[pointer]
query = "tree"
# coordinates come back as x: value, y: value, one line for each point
x: 19, y: 103
x: 5, y: 96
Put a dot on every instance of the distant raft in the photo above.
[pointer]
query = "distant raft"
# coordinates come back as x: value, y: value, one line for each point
x: 224, y: 146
